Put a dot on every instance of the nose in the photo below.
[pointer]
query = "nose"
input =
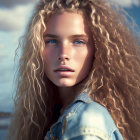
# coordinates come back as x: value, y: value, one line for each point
x: 64, y: 52
x: 63, y: 57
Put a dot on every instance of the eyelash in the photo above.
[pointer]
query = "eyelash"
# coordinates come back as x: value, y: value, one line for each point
x: 79, y: 42
x: 75, y: 42
x: 49, y: 41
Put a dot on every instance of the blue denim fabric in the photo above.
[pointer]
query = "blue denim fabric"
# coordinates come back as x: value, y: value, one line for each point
x: 84, y: 119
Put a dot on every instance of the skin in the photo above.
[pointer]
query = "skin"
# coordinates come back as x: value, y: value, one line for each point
x: 67, y: 43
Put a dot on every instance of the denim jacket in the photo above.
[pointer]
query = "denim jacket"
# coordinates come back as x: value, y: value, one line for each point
x: 84, y: 119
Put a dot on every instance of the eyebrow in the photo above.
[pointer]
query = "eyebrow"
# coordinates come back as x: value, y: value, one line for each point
x: 71, y: 37
x: 79, y: 36
x: 51, y: 36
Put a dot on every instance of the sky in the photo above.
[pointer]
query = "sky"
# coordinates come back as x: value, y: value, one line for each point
x: 14, y: 16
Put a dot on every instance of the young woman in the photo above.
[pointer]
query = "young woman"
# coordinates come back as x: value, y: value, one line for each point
x: 78, y: 61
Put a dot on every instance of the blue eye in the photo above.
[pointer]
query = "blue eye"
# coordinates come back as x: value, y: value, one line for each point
x: 52, y: 41
x: 79, y: 42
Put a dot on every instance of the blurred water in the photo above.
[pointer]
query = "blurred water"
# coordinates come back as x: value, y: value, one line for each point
x: 4, y: 123
x: 3, y: 134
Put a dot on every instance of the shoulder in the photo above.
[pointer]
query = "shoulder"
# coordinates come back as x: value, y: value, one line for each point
x: 91, y: 114
x: 90, y: 119
x: 95, y: 115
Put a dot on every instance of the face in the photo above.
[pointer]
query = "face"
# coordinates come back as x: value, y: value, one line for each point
x: 68, y: 52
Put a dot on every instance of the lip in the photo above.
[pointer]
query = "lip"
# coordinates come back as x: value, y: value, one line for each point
x: 64, y: 67
x: 64, y: 73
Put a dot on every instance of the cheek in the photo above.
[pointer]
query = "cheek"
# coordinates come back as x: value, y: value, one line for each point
x: 81, y: 55
x: 87, y: 60
x: 47, y: 55
x: 46, y: 59
x: 84, y: 57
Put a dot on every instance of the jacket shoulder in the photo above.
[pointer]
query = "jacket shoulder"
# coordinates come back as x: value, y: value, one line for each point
x: 95, y: 115
x: 89, y: 119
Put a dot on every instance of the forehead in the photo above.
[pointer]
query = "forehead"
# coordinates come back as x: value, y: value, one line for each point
x: 66, y: 23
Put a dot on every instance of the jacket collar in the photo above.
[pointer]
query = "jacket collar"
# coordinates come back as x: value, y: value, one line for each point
x: 83, y: 97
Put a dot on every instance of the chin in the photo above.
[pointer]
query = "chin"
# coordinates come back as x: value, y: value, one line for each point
x: 64, y: 83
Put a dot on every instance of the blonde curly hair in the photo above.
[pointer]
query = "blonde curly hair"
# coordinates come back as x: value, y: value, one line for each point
x: 114, y: 80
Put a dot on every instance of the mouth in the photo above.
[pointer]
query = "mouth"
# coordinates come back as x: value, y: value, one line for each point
x: 64, y: 69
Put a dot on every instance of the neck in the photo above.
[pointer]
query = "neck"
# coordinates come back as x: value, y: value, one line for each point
x: 67, y: 95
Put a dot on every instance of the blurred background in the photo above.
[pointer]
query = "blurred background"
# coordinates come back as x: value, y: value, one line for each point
x: 14, y: 16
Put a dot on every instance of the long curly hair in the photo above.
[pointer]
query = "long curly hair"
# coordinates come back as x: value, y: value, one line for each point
x: 114, y: 80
